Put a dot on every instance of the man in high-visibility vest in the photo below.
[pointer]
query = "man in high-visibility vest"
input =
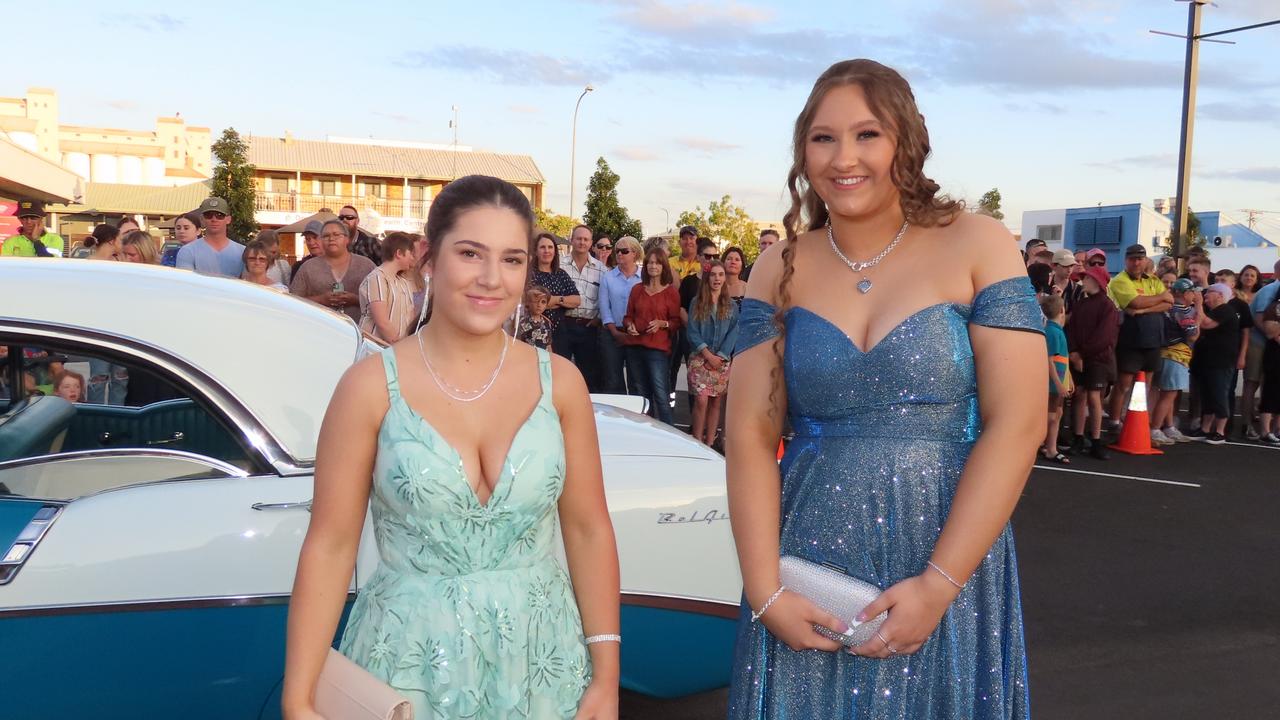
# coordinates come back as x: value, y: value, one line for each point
x: 34, y: 240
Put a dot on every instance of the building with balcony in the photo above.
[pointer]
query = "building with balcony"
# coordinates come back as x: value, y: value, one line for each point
x: 390, y: 183
x: 171, y: 154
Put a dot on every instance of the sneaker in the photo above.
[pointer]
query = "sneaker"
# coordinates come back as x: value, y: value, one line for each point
x: 1111, y: 426
x: 1176, y: 435
x: 1077, y: 445
x: 1215, y: 438
x: 1159, y: 438
x: 1271, y: 439
x: 1196, y: 434
x: 1098, y: 450
x: 1251, y: 433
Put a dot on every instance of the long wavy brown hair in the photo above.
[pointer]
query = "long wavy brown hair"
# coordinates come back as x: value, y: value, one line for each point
x: 893, y: 104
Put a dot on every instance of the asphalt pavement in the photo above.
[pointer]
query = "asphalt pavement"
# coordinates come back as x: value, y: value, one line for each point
x: 1150, y: 588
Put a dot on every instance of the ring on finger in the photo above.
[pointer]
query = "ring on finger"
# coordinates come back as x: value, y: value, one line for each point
x: 886, y: 642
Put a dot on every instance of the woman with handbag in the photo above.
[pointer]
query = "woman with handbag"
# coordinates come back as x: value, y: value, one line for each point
x: 469, y: 614
x: 914, y: 431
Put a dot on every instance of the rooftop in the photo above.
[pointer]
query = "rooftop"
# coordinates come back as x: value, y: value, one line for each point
x: 415, y: 163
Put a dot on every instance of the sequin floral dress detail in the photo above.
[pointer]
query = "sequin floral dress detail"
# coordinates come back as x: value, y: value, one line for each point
x: 469, y: 614
x: 881, y: 438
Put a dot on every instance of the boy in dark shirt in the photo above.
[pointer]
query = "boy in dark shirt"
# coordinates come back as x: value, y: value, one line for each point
x: 1214, y: 362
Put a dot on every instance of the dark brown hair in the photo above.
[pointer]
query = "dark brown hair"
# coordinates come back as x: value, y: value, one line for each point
x: 102, y: 234
x: 533, y: 252
x: 396, y: 242
x: 702, y: 307
x: 890, y: 99
x: 666, y: 278
x: 468, y: 193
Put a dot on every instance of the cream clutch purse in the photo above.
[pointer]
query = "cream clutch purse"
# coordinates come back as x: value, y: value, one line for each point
x: 835, y: 592
x: 347, y: 691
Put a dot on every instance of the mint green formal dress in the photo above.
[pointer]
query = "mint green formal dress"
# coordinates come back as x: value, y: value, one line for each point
x: 469, y: 614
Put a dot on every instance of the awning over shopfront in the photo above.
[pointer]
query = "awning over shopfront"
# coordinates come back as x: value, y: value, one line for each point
x: 27, y: 176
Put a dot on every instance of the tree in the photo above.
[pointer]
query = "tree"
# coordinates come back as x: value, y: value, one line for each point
x: 559, y: 225
x: 605, y: 215
x: 989, y: 204
x: 727, y: 224
x: 1194, y: 237
x: 233, y: 182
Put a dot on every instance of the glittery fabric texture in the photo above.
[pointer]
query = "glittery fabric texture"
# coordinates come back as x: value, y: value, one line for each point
x: 469, y: 615
x: 882, y: 436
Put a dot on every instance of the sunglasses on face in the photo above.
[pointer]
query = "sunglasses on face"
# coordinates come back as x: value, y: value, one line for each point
x: 624, y: 251
x: 710, y: 256
x: 348, y: 217
x: 214, y: 215
x: 1097, y: 263
x: 602, y: 246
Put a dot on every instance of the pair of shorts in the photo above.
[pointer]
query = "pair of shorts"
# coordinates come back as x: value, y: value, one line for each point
x: 1130, y: 361
x: 1253, y: 362
x: 1214, y: 386
x: 1095, y: 375
x: 1173, y: 376
x: 1270, y: 401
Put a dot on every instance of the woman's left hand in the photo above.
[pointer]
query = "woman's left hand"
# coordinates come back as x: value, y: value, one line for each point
x: 915, y: 606
x: 599, y: 702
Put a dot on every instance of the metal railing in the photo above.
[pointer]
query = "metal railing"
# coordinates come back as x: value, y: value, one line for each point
x: 310, y: 203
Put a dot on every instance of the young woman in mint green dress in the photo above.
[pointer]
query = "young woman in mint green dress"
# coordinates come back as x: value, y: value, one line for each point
x: 467, y: 446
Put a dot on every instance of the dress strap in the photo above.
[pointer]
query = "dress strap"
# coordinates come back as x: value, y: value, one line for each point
x: 390, y: 368
x: 544, y: 373
x: 1010, y: 304
x: 755, y: 324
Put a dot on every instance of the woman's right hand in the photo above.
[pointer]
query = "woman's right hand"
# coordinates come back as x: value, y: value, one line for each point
x: 791, y: 619
x: 631, y: 329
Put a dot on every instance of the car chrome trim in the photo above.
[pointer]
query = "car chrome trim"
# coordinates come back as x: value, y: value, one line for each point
x: 214, y: 463
x: 28, y: 540
x: 259, y: 438
x: 193, y: 603
x: 697, y: 606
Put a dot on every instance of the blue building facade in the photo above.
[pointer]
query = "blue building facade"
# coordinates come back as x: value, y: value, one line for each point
x: 1112, y: 228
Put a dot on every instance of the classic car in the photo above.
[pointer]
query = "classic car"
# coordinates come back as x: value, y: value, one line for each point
x: 149, y: 531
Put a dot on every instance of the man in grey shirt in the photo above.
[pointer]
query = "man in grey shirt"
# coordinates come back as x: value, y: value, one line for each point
x: 215, y: 253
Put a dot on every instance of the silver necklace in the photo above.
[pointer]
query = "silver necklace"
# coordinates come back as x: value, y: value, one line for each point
x: 458, y: 393
x: 864, y: 285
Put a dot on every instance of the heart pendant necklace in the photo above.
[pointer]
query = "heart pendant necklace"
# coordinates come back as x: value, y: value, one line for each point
x: 864, y: 285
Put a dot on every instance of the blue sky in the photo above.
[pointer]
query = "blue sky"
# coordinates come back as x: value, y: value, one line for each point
x: 1059, y: 104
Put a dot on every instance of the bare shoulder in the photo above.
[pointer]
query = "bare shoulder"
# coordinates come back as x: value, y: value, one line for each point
x: 766, y: 272
x: 566, y: 380
x: 985, y: 247
x: 362, y: 388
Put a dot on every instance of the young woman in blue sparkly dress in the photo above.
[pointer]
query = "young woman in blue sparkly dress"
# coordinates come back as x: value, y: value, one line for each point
x: 899, y: 338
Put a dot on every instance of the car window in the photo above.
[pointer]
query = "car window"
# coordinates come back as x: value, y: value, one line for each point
x: 70, y: 476
x: 75, y: 400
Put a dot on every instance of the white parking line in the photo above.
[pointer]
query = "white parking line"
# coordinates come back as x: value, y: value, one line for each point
x: 1121, y: 477
x: 1254, y: 445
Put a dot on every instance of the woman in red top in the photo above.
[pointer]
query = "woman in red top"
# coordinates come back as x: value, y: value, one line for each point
x: 653, y: 312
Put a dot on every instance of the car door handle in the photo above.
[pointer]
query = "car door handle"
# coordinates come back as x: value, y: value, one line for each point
x: 176, y: 437
x: 305, y: 505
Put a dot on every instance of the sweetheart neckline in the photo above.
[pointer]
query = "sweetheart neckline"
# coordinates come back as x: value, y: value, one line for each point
x: 892, y: 331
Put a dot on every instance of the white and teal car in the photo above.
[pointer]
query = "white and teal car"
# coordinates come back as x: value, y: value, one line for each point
x: 149, y: 532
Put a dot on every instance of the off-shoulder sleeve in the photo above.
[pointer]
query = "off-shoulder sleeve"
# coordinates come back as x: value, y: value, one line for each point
x: 1009, y: 303
x: 755, y: 324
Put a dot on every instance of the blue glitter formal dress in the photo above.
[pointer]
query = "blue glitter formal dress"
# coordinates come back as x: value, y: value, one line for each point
x: 881, y: 438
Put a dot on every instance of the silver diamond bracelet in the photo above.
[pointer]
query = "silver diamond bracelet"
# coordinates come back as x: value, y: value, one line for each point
x: 604, y: 638
x: 777, y: 594
x: 944, y: 574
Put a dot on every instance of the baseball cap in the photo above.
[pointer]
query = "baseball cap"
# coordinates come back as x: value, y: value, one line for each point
x: 30, y: 208
x: 1135, y: 249
x: 314, y: 227
x: 1095, y: 252
x: 214, y: 204
x: 1034, y: 242
x: 689, y: 230
x: 1222, y: 289
x: 1182, y: 285
x: 1099, y: 274
x: 1064, y: 257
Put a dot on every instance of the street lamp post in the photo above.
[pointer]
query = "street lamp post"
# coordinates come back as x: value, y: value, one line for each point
x: 668, y: 214
x: 573, y: 148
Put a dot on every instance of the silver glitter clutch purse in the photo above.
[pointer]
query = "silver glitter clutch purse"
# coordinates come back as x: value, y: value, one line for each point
x: 836, y: 593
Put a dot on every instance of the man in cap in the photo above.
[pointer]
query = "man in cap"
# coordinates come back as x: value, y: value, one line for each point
x: 688, y: 263
x: 1091, y: 335
x: 34, y: 240
x: 362, y: 243
x: 1143, y: 299
x: 311, y: 238
x: 215, y: 253
x: 1064, y: 267
x: 1033, y: 246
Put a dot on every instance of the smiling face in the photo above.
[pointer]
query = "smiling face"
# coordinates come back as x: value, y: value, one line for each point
x: 479, y: 272
x: 1249, y: 279
x: 580, y: 241
x: 688, y: 245
x: 1198, y: 272
x: 849, y: 156
x: 602, y: 248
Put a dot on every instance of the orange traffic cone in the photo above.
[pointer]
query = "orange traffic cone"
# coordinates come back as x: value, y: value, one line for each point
x: 1135, y: 437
